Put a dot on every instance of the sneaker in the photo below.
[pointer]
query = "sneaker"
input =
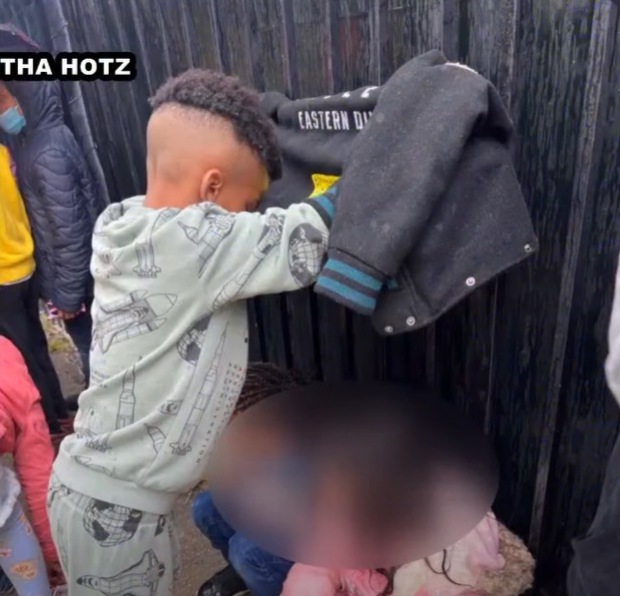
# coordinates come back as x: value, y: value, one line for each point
x: 224, y: 583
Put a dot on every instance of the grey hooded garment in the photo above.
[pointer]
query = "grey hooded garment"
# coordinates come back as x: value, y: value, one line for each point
x: 59, y: 194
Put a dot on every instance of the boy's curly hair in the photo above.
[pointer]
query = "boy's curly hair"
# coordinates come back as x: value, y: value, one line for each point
x: 228, y: 98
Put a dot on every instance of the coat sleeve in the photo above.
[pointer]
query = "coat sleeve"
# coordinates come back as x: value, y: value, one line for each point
x: 399, y: 168
x: 34, y: 455
x: 55, y: 183
x: 242, y: 255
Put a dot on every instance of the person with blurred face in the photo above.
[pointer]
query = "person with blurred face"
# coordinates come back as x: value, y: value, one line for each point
x: 19, y: 282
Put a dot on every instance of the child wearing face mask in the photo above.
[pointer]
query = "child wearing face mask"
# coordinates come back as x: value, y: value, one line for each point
x: 19, y: 289
x: 12, y: 120
x: 62, y: 202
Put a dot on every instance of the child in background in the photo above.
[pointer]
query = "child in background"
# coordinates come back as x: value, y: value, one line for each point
x: 19, y: 284
x: 24, y: 435
x: 489, y: 561
x: 172, y: 271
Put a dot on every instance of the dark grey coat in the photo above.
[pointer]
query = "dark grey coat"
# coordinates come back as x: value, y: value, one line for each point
x: 59, y: 195
x: 428, y: 208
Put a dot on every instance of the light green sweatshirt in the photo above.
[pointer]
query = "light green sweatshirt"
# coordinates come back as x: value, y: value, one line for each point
x: 170, y: 339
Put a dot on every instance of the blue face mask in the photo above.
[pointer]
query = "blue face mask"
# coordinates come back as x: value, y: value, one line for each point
x: 12, y: 121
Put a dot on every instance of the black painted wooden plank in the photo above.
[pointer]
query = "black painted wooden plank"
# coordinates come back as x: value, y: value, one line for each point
x: 232, y: 22
x: 301, y: 335
x: 353, y: 18
x: 176, y: 20
x: 273, y: 328
x: 268, y: 43
x: 451, y: 29
x: 491, y: 41
x: 368, y: 350
x: 256, y: 349
x: 463, y: 353
x: 203, y: 33
x: 408, y: 28
x: 312, y: 47
x: 582, y: 184
x: 145, y: 25
x: 551, y: 69
x: 587, y: 417
x: 119, y: 138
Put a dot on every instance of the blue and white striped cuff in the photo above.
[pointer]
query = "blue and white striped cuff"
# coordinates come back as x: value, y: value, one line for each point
x: 325, y: 204
x: 350, y: 282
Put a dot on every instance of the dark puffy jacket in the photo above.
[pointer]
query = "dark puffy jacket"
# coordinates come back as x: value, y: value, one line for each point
x: 59, y: 194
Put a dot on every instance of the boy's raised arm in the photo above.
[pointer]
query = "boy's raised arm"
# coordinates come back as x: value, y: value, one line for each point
x: 242, y: 255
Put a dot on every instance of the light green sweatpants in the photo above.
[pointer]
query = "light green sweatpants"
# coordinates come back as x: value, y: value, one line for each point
x: 109, y: 549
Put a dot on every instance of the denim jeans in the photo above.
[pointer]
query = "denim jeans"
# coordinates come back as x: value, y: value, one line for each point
x: 595, y: 568
x: 262, y: 572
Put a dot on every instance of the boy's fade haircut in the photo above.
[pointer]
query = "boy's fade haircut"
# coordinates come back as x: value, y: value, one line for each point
x: 228, y: 98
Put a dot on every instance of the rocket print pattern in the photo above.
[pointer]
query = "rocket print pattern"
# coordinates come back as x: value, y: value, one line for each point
x: 141, y: 578
x: 270, y: 238
x: 137, y: 314
x: 184, y: 443
x: 158, y: 438
x: 147, y: 268
x: 112, y: 213
x: 87, y: 462
x: 127, y: 402
x: 106, y: 267
x: 221, y: 226
x: 190, y: 344
x: 93, y: 441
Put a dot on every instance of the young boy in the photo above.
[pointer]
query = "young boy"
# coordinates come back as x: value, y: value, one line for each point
x: 172, y: 270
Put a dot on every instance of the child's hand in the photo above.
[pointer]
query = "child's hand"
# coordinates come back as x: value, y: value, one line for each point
x: 55, y: 574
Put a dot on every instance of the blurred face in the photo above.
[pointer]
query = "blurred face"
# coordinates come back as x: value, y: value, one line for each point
x: 12, y: 119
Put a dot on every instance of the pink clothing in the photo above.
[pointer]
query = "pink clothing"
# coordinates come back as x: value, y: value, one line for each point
x: 24, y: 434
x: 304, y: 580
x: 467, y: 562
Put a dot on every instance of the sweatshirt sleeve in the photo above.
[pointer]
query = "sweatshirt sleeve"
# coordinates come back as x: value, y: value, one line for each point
x: 33, y: 464
x: 612, y: 366
x: 304, y: 580
x: 399, y: 167
x: 242, y: 255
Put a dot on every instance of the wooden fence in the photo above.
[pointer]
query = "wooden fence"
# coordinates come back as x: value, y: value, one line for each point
x: 524, y: 355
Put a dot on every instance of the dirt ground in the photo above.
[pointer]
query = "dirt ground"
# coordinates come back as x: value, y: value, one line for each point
x: 199, y: 560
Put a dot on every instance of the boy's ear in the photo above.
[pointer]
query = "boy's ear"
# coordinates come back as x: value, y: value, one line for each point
x: 211, y: 185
